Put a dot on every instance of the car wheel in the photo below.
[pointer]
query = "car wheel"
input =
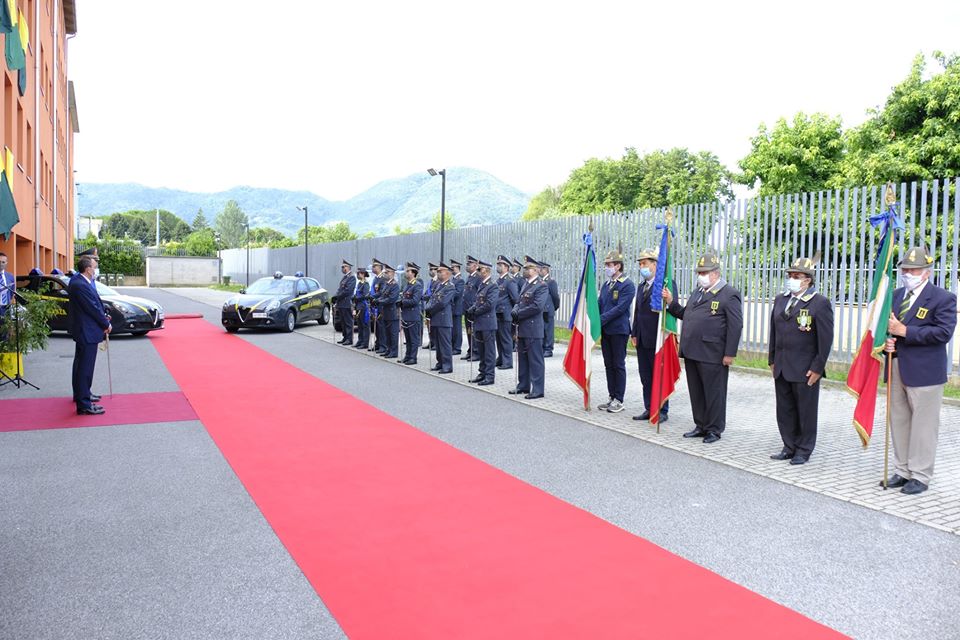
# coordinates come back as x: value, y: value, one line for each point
x: 324, y: 315
x: 291, y: 322
x: 232, y: 329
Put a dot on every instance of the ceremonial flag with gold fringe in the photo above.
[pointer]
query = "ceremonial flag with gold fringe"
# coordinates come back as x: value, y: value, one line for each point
x: 864, y: 373
x: 585, y: 324
x: 666, y: 363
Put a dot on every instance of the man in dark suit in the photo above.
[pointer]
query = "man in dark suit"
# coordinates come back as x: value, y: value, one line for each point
x: 387, y: 302
x: 922, y: 321
x: 508, y: 293
x: 345, y: 293
x: 615, y: 300
x: 712, y: 322
x: 361, y: 301
x: 643, y: 331
x: 801, y: 335
x: 469, y: 298
x: 8, y: 287
x: 528, y: 314
x: 89, y: 323
x: 410, y: 316
x: 428, y: 290
x: 456, y: 332
x: 440, y: 311
x: 550, y: 313
x: 376, y: 320
x: 483, y: 315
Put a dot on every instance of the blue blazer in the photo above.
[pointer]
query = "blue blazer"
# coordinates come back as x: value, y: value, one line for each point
x: 348, y: 283
x: 507, y: 296
x: 410, y: 301
x: 931, y: 321
x: 484, y: 309
x: 362, y: 298
x: 470, y: 290
x: 387, y: 300
x: 440, y: 306
x: 528, y: 312
x: 88, y: 319
x: 616, y: 298
x: 458, y: 285
x: 646, y: 321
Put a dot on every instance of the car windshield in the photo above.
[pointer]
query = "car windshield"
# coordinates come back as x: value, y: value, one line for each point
x: 104, y: 290
x: 271, y: 287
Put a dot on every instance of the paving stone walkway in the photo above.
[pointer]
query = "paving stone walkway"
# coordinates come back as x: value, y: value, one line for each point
x: 840, y: 467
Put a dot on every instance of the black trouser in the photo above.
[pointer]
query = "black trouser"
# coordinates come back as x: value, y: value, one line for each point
x: 707, y: 385
x: 456, y: 333
x: 530, y: 360
x: 645, y: 360
x: 375, y: 328
x: 504, y: 340
x: 548, y: 331
x: 346, y: 324
x: 441, y: 341
x: 412, y: 333
x: 614, y: 349
x: 381, y: 341
x: 391, y: 335
x: 797, y: 405
x: 363, y: 333
x: 485, y: 342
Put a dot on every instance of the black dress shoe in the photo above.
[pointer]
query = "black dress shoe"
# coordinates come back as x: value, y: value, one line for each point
x: 409, y: 362
x: 895, y: 482
x: 799, y: 459
x: 96, y: 410
x: 663, y: 418
x: 456, y: 353
x: 548, y: 354
x: 466, y: 357
x: 643, y: 416
x: 95, y: 398
x: 516, y: 392
x: 476, y: 380
x: 435, y: 368
x: 503, y: 368
x: 696, y: 433
x: 913, y: 487
x: 783, y: 455
x: 710, y: 438
x: 484, y: 383
x: 445, y: 371
x: 533, y: 396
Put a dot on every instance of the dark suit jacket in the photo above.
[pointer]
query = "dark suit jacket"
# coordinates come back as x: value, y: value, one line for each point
x: 553, y: 297
x: 440, y: 307
x: 528, y: 312
x: 410, y: 301
x: 387, y: 300
x: 360, y: 298
x: 931, y: 321
x: 794, y: 350
x: 88, y: 319
x: 508, y: 295
x: 470, y: 290
x: 484, y: 310
x: 711, y: 324
x: 348, y: 284
x: 458, y: 285
x: 645, y: 319
x: 615, y: 300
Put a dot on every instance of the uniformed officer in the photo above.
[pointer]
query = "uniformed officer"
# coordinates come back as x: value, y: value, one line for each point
x: 456, y: 332
x: 643, y: 333
x: 377, y: 268
x: 483, y: 315
x: 348, y: 284
x: 550, y: 313
x: 801, y: 335
x: 411, y: 318
x: 432, y: 283
x: 615, y: 301
x: 922, y: 321
x: 387, y: 302
x: 515, y: 268
x: 712, y: 322
x: 440, y: 311
x: 361, y: 301
x: 507, y: 295
x: 528, y: 313
x: 469, y: 298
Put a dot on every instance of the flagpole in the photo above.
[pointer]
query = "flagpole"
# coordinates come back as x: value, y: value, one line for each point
x: 886, y: 433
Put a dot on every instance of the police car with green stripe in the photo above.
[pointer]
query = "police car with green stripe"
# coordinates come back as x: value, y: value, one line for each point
x: 281, y: 302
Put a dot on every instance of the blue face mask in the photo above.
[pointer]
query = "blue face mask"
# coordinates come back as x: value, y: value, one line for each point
x: 645, y: 273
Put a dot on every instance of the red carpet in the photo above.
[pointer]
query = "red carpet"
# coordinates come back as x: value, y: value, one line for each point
x: 28, y: 414
x: 404, y: 536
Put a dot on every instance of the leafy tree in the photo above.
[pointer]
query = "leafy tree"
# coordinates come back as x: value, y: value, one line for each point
x: 267, y: 237
x: 200, y: 243
x: 545, y: 204
x: 139, y: 230
x: 339, y: 232
x: 231, y: 224
x: 448, y: 222
x: 793, y: 157
x: 368, y: 235
x: 116, y: 226
x: 199, y: 221
x: 400, y: 230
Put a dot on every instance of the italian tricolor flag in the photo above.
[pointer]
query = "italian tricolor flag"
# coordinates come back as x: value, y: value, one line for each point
x: 585, y: 324
x: 865, y: 370
x: 666, y: 364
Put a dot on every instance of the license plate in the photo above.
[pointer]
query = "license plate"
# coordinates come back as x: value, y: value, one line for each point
x: 259, y: 314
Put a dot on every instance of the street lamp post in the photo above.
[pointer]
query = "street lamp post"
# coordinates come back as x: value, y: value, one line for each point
x: 306, y: 236
x: 216, y: 242
x: 443, y: 203
x: 247, y: 227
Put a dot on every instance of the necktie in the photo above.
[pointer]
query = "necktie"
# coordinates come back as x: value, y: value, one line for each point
x: 905, y: 305
x: 793, y: 301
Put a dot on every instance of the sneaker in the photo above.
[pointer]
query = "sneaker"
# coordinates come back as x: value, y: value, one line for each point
x: 605, y: 405
x: 615, y: 406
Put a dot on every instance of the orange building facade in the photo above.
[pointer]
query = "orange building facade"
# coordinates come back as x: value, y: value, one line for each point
x: 38, y: 128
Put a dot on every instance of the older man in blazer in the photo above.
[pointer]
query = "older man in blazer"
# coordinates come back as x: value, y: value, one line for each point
x: 923, y: 319
x: 709, y: 339
x: 89, y: 323
x: 643, y: 331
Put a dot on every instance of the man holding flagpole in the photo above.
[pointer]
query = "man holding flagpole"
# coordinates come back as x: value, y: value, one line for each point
x: 922, y: 320
x: 615, y: 300
x: 643, y: 333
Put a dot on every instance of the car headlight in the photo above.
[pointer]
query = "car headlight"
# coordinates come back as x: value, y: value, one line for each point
x: 273, y: 305
x: 125, y: 309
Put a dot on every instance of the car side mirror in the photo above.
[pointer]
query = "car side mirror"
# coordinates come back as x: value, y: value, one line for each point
x: 243, y: 290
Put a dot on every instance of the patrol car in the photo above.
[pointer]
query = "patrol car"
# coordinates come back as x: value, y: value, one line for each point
x: 280, y: 302
x: 128, y: 314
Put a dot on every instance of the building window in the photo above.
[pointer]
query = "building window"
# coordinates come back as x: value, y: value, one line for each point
x: 30, y: 150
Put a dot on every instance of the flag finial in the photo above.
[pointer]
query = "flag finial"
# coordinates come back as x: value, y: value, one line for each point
x: 669, y: 216
x: 890, y: 197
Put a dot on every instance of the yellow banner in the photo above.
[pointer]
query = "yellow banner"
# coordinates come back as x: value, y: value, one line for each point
x: 8, y: 166
x: 12, y: 5
x: 24, y: 31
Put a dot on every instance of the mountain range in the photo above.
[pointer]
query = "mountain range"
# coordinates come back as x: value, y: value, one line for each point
x: 474, y: 197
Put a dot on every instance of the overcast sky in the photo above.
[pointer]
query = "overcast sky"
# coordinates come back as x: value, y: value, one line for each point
x: 333, y: 97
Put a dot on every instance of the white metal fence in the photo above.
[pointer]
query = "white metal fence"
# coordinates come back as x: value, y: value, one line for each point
x: 756, y: 238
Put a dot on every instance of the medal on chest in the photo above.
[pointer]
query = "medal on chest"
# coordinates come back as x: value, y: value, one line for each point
x: 804, y: 320
x: 714, y: 307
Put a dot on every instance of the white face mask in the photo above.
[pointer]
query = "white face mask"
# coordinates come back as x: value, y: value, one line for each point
x: 911, y: 281
x: 610, y: 271
x: 96, y: 273
x: 794, y: 285
x: 703, y: 280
